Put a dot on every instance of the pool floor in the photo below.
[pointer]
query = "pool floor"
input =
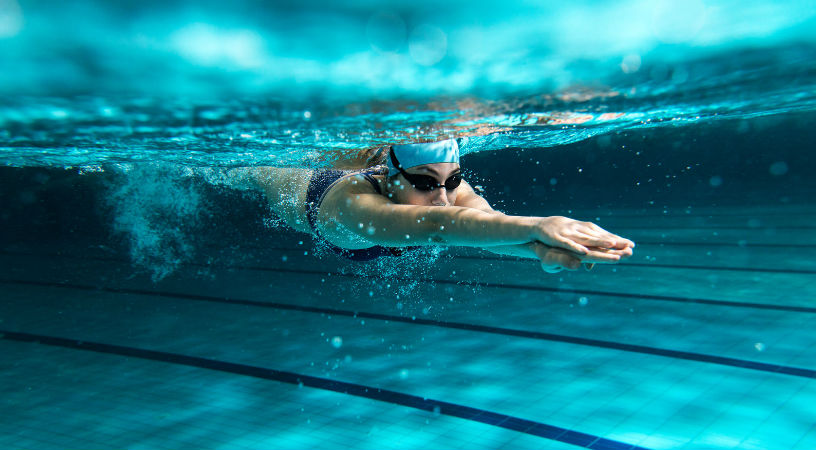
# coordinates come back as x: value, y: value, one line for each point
x: 702, y: 340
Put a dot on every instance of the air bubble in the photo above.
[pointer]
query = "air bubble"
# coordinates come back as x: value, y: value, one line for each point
x: 778, y: 168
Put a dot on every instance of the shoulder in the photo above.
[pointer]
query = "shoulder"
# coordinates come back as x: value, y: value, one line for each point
x: 466, y: 191
x: 468, y: 198
x: 353, y: 192
x: 357, y: 183
x: 345, y: 207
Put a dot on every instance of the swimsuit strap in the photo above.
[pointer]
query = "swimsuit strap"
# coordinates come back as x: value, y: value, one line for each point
x: 373, y: 182
x: 318, y: 186
x: 380, y: 250
x: 320, y: 183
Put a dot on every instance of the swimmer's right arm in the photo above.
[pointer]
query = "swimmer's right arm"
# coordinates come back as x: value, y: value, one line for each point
x: 381, y: 222
x: 551, y: 258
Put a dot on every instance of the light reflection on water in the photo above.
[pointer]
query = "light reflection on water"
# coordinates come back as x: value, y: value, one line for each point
x: 87, y: 131
x: 302, y: 84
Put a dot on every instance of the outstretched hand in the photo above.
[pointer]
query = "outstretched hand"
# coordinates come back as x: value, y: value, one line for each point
x: 588, y: 240
x: 555, y: 259
x: 565, y: 243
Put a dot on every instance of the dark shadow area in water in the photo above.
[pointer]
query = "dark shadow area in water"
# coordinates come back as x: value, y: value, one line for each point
x: 762, y: 162
x: 765, y: 161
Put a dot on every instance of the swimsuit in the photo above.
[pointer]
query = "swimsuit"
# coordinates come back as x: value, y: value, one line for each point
x: 319, y: 185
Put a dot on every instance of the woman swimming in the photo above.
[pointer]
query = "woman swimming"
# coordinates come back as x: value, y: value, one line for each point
x: 420, y: 199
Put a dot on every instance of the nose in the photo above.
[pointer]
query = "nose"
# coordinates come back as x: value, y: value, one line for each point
x: 439, y: 197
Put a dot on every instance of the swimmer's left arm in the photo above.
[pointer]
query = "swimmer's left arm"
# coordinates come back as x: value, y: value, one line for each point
x: 468, y: 198
x: 552, y: 259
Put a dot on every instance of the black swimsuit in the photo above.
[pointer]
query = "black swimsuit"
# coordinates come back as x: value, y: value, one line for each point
x: 319, y: 184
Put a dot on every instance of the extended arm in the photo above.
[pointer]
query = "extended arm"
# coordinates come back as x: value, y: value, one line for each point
x: 353, y: 209
x: 468, y: 198
x: 552, y: 259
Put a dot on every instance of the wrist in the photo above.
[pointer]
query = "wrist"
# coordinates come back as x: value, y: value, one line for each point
x: 531, y: 226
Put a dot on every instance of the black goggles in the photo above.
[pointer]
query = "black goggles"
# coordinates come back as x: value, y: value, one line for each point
x: 426, y: 182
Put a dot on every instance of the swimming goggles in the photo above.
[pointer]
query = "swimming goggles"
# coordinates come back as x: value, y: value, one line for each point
x: 426, y: 182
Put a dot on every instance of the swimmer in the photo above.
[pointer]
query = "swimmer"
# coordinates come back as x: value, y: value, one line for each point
x: 419, y: 198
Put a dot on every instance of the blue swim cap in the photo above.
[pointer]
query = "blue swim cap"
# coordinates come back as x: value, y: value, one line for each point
x: 412, y: 155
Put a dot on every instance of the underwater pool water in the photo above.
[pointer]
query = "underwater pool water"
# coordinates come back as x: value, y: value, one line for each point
x: 150, y: 301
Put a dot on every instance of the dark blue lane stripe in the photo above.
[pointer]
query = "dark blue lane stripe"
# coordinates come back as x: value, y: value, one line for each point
x: 662, y: 266
x: 690, y: 356
x: 358, y: 390
x: 723, y: 244
x: 639, y: 242
x: 590, y: 216
x: 710, y: 227
x: 525, y: 287
x: 485, y: 257
x: 721, y: 268
x: 668, y: 298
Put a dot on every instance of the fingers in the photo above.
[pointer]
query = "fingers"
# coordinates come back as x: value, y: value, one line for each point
x: 596, y: 241
x: 570, y: 244
x: 599, y: 256
x: 554, y: 260
x: 598, y: 250
x: 621, y: 243
x: 590, y: 235
x: 606, y: 255
x: 591, y: 242
x: 611, y: 242
x: 624, y: 252
x: 616, y: 241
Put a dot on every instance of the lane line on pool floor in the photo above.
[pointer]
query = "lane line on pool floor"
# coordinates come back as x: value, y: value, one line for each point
x: 710, y: 227
x: 724, y: 244
x: 662, y: 266
x: 513, y: 423
x: 795, y: 211
x: 474, y: 258
x: 638, y: 242
x: 669, y: 298
x: 596, y: 343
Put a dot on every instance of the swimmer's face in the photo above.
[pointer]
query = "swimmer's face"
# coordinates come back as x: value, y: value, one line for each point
x: 401, y: 191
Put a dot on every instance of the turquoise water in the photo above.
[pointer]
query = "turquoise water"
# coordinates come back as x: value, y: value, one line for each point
x: 215, y: 85
x: 150, y: 301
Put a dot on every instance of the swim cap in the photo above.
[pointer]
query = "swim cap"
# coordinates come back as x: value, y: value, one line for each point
x: 412, y: 155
